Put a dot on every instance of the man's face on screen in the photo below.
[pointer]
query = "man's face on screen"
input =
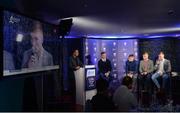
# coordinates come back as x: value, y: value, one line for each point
x: 37, y: 39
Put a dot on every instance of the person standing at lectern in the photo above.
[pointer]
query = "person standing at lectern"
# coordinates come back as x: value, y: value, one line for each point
x: 104, y: 68
x: 37, y: 56
x: 74, y: 65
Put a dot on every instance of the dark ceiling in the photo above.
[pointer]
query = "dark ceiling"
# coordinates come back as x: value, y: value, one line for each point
x: 105, y: 17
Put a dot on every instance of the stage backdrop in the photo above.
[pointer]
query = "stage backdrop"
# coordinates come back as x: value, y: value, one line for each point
x: 117, y: 51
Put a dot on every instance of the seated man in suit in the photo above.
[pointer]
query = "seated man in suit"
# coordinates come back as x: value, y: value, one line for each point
x: 105, y: 68
x: 146, y: 69
x: 132, y: 70
x: 163, y: 68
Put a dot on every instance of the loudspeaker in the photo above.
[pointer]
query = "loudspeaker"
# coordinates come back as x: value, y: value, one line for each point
x: 65, y: 26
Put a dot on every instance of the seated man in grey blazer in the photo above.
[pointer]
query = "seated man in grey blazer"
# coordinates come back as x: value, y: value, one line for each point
x: 37, y: 56
x: 146, y: 69
x: 163, y: 68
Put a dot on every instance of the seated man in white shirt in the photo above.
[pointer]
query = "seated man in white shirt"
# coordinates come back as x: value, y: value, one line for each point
x: 163, y: 68
x: 123, y: 98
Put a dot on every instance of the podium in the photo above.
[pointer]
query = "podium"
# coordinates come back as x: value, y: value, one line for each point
x: 85, y: 84
x: 80, y: 86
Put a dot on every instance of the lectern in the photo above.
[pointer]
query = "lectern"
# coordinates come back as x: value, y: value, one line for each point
x: 85, y: 84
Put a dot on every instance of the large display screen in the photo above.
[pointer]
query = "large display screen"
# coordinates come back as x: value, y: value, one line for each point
x: 28, y: 43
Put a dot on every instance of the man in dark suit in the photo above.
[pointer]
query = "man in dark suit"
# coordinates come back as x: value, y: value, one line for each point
x: 75, y: 62
x: 104, y: 67
x: 163, y: 68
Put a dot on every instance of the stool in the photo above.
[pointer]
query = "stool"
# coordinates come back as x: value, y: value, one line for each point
x: 145, y: 98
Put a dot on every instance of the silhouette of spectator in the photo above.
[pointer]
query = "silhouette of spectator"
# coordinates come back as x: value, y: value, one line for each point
x: 101, y: 101
x: 123, y: 98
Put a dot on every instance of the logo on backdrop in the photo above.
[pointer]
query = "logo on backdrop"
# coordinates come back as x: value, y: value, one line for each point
x: 13, y: 20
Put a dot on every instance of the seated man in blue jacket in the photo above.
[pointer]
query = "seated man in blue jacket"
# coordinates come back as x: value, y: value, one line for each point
x: 132, y: 70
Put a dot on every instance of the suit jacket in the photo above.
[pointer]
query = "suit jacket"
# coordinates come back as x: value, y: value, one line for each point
x: 150, y: 66
x: 167, y: 66
x: 74, y: 62
x: 104, y: 67
x: 47, y: 59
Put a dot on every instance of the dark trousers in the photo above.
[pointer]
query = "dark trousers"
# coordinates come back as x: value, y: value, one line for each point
x: 145, y: 83
x: 102, y: 76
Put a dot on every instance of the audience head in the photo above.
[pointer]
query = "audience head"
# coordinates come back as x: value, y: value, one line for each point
x: 103, y: 55
x: 76, y: 53
x: 127, y: 81
x: 101, y: 85
x: 161, y: 55
x: 131, y: 57
x: 145, y: 56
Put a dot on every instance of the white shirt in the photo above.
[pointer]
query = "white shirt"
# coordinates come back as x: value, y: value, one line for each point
x: 124, y: 99
x: 104, y: 60
x: 161, y: 66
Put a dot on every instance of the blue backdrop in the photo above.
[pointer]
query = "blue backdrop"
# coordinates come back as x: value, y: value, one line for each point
x: 117, y: 51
